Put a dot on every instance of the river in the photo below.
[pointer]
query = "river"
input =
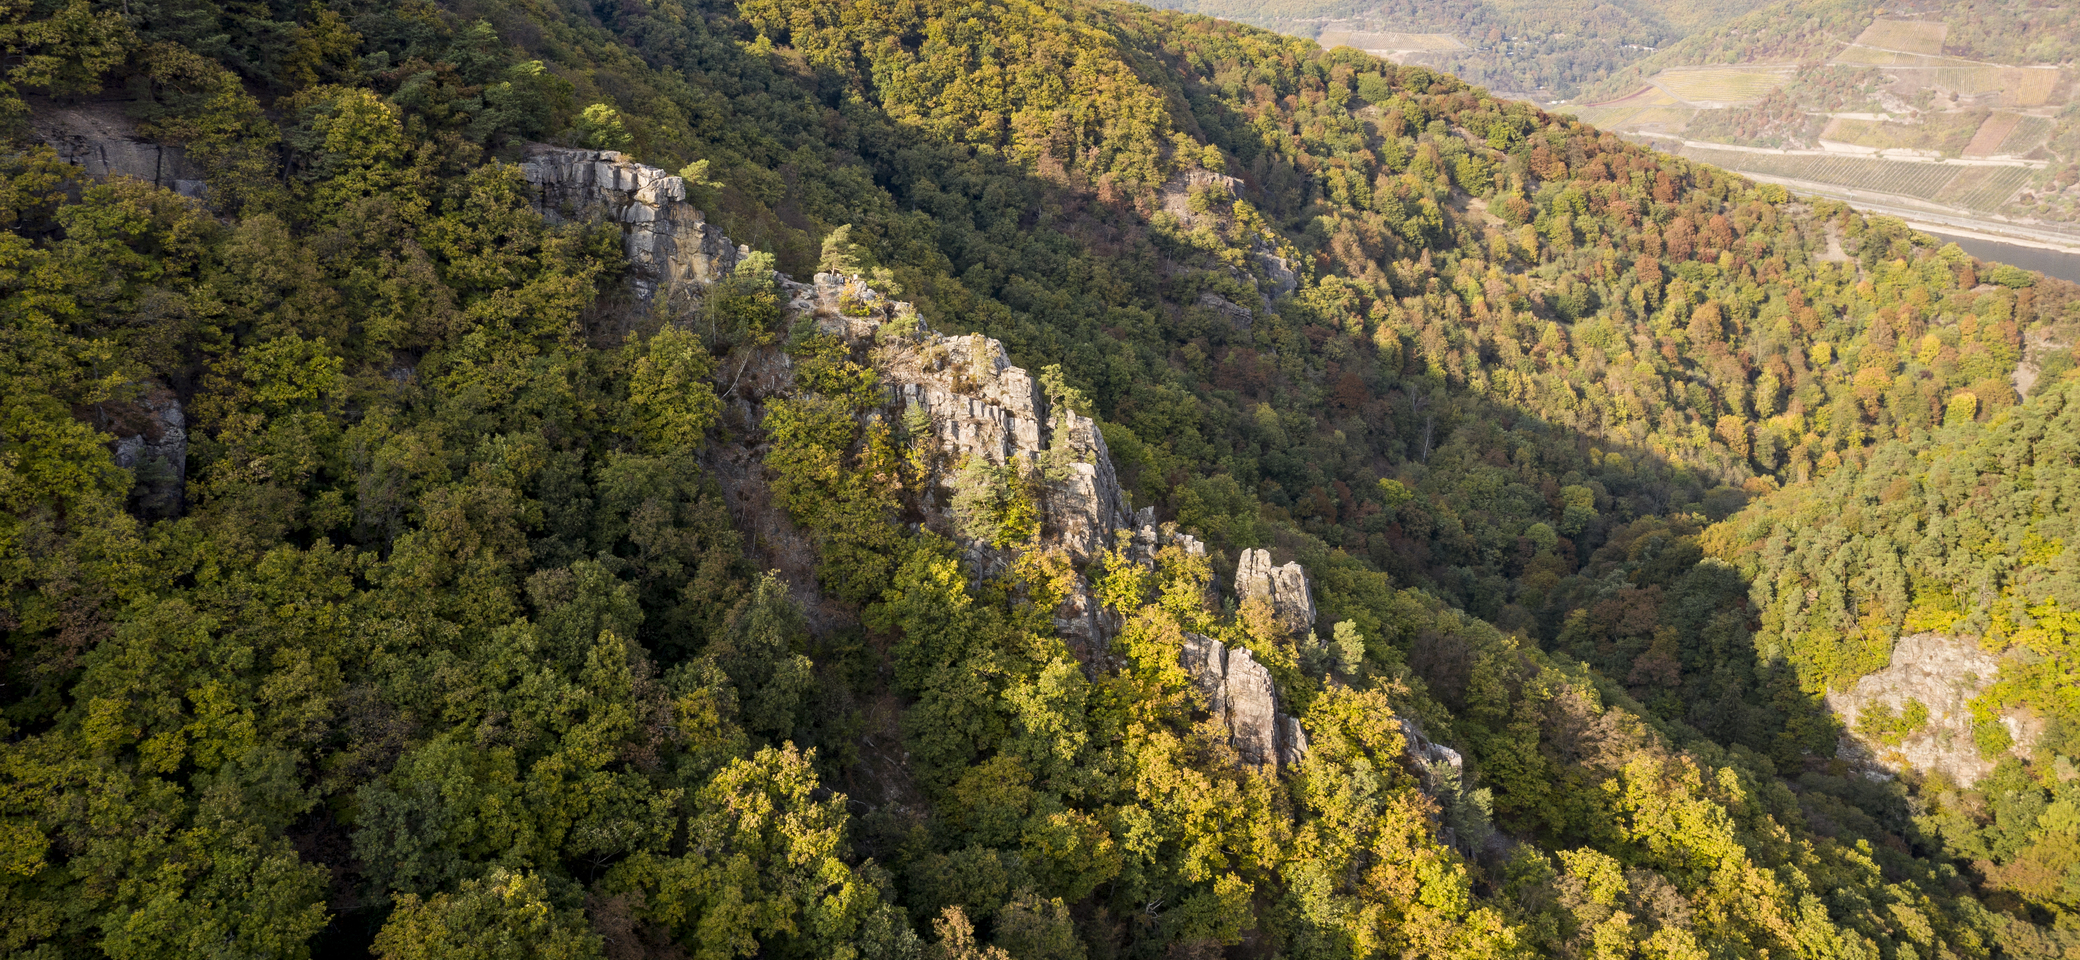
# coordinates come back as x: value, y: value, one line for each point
x: 2051, y: 263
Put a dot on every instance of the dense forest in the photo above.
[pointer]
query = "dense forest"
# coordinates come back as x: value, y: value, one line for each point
x: 449, y: 634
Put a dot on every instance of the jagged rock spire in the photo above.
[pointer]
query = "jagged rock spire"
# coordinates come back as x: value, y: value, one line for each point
x: 1239, y: 693
x: 1284, y: 588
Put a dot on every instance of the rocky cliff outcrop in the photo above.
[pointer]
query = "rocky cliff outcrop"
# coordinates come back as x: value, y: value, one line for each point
x: 1943, y: 674
x: 963, y: 390
x: 1274, y: 276
x: 100, y: 139
x: 1238, y: 690
x: 1284, y: 588
x: 151, y: 441
x: 672, y: 249
x: 976, y: 403
x: 1239, y: 695
x: 1434, y: 762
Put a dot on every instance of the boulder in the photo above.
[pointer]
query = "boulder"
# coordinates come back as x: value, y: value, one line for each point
x: 1284, y: 588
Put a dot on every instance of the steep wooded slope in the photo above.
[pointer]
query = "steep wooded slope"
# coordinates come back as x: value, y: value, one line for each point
x: 444, y: 628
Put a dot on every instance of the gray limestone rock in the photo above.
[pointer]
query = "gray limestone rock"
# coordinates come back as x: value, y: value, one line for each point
x: 1236, y: 313
x: 1944, y: 674
x: 1284, y: 588
x: 964, y: 391
x: 1252, y: 708
x: 1086, y: 625
x: 101, y: 139
x: 979, y: 404
x: 1206, y: 661
x: 1292, y: 741
x: 1240, y: 695
x: 1276, y: 271
x: 1430, y: 758
x: 976, y: 403
x: 1176, y: 195
x: 152, y: 442
x: 672, y: 250
x: 1085, y: 508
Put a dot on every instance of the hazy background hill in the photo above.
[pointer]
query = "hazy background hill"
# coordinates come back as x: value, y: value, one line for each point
x: 1957, y: 111
x: 1538, y: 51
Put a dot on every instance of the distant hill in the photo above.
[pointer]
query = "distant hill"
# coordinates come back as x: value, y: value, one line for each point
x: 1958, y: 109
x: 1537, y: 50
x: 1969, y: 108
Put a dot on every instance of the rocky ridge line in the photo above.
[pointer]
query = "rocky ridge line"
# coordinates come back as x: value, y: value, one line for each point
x: 977, y: 403
x: 670, y: 245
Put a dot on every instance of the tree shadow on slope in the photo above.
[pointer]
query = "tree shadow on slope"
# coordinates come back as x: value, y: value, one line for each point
x: 1243, y: 430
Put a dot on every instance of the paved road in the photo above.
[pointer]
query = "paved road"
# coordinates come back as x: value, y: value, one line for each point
x: 1915, y: 215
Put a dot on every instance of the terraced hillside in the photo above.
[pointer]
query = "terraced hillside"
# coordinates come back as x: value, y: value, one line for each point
x: 1884, y: 85
x: 1978, y: 186
x: 1531, y: 49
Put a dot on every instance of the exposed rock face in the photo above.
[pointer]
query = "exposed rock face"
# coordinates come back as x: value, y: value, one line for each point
x: 1944, y: 674
x: 1089, y: 505
x: 2035, y: 345
x: 672, y: 250
x: 978, y: 404
x: 1284, y: 280
x: 152, y: 441
x: 1284, y: 588
x: 974, y: 403
x: 1085, y: 623
x: 1236, y: 313
x: 1239, y: 693
x: 99, y: 138
x: 1431, y: 758
x: 1177, y: 193
x: 1088, y: 624
x: 964, y: 390
x: 975, y: 400
x: 1275, y: 274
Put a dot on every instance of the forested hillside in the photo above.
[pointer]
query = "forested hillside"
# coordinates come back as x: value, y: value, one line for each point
x: 385, y: 572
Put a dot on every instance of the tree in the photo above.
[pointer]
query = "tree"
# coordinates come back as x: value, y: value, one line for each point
x: 599, y: 127
x: 840, y: 254
x: 504, y: 916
